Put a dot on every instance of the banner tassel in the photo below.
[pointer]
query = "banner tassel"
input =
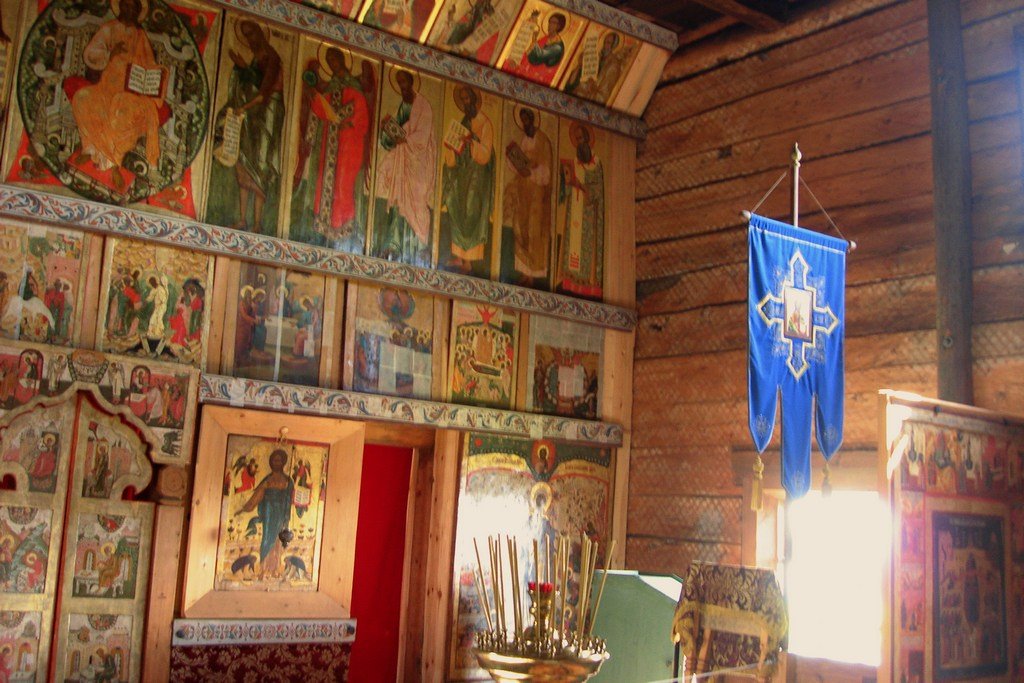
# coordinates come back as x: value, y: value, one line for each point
x: 826, y: 484
x: 757, y: 488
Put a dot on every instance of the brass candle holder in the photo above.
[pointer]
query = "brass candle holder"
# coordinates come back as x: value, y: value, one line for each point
x: 549, y: 648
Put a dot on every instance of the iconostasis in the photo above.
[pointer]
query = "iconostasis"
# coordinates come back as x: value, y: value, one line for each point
x: 202, y: 204
x: 954, y: 478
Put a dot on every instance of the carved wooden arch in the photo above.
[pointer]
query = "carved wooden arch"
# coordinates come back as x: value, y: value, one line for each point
x: 97, y: 454
x: 122, y: 411
x: 110, y: 381
x: 71, y: 396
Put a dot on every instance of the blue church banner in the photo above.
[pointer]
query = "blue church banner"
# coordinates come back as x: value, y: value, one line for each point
x: 796, y: 324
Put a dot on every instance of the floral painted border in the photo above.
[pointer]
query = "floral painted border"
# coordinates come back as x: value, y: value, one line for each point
x: 123, y: 222
x: 442, y: 64
x: 188, y: 632
x: 249, y: 393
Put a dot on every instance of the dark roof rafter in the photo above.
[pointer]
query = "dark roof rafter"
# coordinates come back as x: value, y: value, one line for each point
x: 766, y: 16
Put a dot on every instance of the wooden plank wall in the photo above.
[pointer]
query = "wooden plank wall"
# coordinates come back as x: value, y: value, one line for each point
x: 850, y: 83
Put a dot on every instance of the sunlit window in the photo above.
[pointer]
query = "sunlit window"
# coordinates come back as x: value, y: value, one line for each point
x: 835, y: 572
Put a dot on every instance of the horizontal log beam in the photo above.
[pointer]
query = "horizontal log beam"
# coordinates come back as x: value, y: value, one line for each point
x: 687, y: 469
x: 744, y: 12
x: 672, y: 556
x: 714, y: 53
x: 887, y: 173
x: 704, y: 518
x: 786, y: 64
x: 875, y: 308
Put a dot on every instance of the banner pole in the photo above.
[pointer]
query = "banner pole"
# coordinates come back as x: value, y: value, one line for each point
x: 796, y: 156
x: 787, y: 538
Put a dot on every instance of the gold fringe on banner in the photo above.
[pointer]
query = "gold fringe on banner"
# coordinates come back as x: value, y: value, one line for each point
x: 757, y: 489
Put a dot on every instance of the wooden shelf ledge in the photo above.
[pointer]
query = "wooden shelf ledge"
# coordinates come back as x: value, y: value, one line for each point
x: 291, y: 398
x: 82, y: 214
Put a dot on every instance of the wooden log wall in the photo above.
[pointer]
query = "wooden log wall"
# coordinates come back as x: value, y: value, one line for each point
x: 849, y: 82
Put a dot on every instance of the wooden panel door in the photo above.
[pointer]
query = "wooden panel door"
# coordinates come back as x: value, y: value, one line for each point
x: 74, y: 553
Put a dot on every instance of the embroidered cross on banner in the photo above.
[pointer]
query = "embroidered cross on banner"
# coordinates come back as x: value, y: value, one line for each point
x: 798, y: 315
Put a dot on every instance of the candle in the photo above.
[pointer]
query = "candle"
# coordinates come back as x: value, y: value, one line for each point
x: 600, y: 591
x: 514, y: 572
x: 481, y: 587
x: 564, y: 542
x: 501, y: 580
x: 547, y: 563
x: 581, y: 614
x: 494, y: 583
x: 536, y: 588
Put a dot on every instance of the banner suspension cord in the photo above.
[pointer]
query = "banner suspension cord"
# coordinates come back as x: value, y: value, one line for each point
x: 769, y: 192
x: 746, y: 214
x: 853, y: 245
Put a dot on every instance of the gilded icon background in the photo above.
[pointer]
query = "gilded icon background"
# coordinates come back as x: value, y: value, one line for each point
x: 563, y: 368
x: 42, y: 283
x: 528, y: 182
x: 482, y: 364
x: 533, y: 490
x: 271, y: 515
x: 469, y: 164
x: 252, y: 105
x: 279, y: 325
x: 408, y: 134
x: 154, y: 302
x: 331, y: 163
x: 474, y: 28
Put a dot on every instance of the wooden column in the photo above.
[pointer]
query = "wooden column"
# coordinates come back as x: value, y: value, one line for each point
x: 164, y: 581
x: 620, y: 288
x: 951, y: 170
x: 437, y: 609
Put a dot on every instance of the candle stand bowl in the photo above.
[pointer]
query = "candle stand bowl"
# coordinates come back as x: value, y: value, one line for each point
x: 568, y: 668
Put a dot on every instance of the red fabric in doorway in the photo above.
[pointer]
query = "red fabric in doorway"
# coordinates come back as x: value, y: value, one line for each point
x: 380, y: 550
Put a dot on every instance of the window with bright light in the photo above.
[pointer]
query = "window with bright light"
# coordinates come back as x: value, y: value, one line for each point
x: 834, y: 576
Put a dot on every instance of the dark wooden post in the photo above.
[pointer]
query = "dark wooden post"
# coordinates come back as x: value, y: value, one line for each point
x: 951, y: 170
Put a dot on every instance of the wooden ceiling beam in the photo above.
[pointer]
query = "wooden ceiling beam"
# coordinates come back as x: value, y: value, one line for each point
x: 745, y: 13
x: 704, y: 30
